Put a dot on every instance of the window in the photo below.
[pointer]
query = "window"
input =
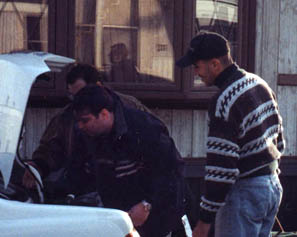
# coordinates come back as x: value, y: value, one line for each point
x: 219, y: 16
x: 235, y: 19
x: 135, y: 43
x: 23, y: 26
x: 131, y: 42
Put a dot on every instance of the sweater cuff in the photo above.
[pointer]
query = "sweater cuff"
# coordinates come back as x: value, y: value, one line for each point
x: 206, y: 216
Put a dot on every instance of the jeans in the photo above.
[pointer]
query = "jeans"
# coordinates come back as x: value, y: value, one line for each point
x: 251, y: 207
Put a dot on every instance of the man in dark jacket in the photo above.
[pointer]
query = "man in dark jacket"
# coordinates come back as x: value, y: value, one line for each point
x: 137, y: 166
x: 244, y: 144
x: 55, y: 150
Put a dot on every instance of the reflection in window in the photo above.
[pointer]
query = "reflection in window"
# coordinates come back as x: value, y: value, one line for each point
x: 130, y: 41
x: 219, y: 16
x: 23, y: 26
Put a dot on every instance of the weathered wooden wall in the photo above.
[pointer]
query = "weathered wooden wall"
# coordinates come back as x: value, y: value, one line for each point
x: 187, y: 127
x: 276, y: 53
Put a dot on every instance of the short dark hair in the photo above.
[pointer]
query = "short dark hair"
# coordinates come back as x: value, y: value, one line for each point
x: 84, y: 71
x: 205, y: 46
x: 93, y: 99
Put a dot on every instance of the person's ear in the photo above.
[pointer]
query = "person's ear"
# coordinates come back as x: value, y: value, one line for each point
x: 216, y: 65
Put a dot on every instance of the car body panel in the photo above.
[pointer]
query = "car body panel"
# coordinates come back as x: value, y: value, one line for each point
x: 27, y: 219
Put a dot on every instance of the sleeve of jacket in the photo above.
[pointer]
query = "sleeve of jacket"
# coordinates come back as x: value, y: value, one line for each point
x: 166, y: 165
x: 51, y: 151
x: 221, y: 166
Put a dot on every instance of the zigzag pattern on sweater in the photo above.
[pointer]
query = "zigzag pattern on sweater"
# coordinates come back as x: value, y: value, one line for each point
x: 261, y: 143
x: 236, y: 89
x: 257, y: 116
x: 210, y: 205
x: 222, y: 147
x: 219, y: 174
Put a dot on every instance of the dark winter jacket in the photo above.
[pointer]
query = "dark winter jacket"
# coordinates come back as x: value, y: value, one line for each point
x: 138, y: 161
x: 56, y: 144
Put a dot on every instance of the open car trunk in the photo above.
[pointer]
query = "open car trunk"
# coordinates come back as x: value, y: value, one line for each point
x: 19, y: 215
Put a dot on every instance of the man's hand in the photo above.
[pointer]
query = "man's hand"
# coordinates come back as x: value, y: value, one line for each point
x: 28, y: 179
x: 201, y: 229
x: 138, y: 214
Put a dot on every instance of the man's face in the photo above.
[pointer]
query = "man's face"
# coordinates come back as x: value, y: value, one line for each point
x: 205, y: 70
x: 92, y: 125
x: 116, y: 56
x: 76, y: 86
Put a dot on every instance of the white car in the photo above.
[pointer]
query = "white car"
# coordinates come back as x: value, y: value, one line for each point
x: 22, y: 217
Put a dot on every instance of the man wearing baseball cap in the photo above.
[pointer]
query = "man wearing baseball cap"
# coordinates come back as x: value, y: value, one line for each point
x: 244, y: 144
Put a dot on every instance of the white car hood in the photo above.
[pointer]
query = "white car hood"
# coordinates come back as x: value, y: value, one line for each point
x: 18, y: 72
x: 26, y: 220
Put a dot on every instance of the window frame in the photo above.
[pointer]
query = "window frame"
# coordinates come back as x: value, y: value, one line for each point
x: 179, y: 95
x: 60, y: 41
x: 199, y: 98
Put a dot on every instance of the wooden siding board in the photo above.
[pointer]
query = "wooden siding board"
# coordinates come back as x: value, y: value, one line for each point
x: 35, y: 126
x: 166, y: 116
x: 287, y: 95
x: 287, y: 99
x: 259, y: 36
x: 287, y: 79
x: 287, y: 42
x: 182, y: 126
x: 268, y: 48
x: 194, y: 168
x: 200, y: 130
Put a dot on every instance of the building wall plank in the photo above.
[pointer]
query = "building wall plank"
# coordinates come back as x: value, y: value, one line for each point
x: 200, y: 130
x: 267, y: 40
x: 287, y: 95
x: 35, y: 121
x: 182, y: 127
x: 287, y: 38
x: 188, y: 128
x: 166, y: 116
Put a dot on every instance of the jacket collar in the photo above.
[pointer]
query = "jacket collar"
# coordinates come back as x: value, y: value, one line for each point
x: 120, y: 126
x: 223, y: 77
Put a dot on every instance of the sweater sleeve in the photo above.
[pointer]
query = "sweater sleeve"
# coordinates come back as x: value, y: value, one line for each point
x: 221, y: 166
x: 51, y: 152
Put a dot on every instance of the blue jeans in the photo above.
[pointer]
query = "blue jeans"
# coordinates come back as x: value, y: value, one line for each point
x: 251, y: 207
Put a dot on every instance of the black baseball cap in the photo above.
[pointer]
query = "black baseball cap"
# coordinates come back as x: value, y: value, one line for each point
x: 204, y: 46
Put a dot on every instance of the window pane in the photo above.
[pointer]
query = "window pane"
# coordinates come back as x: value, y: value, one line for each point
x: 219, y: 16
x: 130, y: 41
x: 23, y: 26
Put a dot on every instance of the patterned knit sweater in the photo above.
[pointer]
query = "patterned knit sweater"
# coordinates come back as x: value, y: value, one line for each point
x: 245, y: 134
